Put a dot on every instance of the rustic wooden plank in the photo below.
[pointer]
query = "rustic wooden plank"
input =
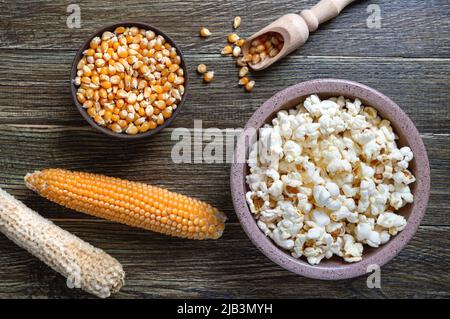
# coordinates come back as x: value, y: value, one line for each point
x: 34, y: 87
x: 161, y: 267
x: 25, y: 149
x: 407, y: 59
x: 417, y: 29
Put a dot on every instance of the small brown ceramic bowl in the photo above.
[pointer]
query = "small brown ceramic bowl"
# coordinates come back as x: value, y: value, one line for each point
x: 334, y: 268
x: 74, y: 88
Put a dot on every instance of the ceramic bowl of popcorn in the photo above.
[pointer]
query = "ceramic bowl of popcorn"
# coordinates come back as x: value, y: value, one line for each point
x: 330, y: 177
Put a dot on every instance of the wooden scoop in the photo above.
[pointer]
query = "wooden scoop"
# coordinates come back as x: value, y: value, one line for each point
x: 295, y: 28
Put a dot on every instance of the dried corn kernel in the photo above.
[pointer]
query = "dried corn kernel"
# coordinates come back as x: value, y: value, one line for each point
x: 209, y: 76
x: 233, y: 38
x: 227, y: 50
x: 132, y: 130
x: 240, y: 42
x: 249, y: 86
x: 255, y: 59
x: 241, y: 62
x: 236, y: 22
x: 273, y: 52
x: 167, y: 112
x: 201, y: 68
x: 204, y: 32
x: 243, y: 71
x: 243, y: 81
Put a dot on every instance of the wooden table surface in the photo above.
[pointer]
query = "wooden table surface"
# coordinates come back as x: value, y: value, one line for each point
x: 408, y: 59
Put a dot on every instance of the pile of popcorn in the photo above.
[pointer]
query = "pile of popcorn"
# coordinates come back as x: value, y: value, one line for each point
x: 327, y: 177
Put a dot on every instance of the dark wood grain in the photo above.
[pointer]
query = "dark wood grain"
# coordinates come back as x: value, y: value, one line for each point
x: 408, y: 59
x: 413, y: 30
x: 159, y: 267
x: 149, y: 161
x: 417, y: 85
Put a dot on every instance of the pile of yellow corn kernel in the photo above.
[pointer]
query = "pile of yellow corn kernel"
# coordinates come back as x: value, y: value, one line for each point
x: 264, y: 46
x: 130, y: 80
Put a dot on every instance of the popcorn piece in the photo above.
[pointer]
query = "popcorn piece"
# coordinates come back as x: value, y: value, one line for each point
x: 352, y: 251
x: 393, y: 222
x: 365, y: 233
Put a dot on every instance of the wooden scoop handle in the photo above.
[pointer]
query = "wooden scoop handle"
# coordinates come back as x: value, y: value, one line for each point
x: 323, y: 11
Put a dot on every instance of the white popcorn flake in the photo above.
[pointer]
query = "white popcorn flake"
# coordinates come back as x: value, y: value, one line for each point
x: 263, y: 227
x: 248, y: 197
x: 315, y: 233
x: 325, y: 178
x: 352, y: 250
x: 282, y: 240
x: 365, y: 233
x: 270, y: 215
x: 276, y: 189
x: 333, y: 189
x: 291, y: 151
x: 407, y: 153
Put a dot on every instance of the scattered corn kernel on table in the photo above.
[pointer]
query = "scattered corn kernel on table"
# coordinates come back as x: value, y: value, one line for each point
x: 407, y: 59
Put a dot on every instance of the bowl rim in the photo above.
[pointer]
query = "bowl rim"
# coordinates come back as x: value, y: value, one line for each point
x: 390, y: 110
x: 74, y: 88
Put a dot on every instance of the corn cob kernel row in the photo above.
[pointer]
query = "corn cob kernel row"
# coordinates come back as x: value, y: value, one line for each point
x: 84, y: 266
x: 131, y: 203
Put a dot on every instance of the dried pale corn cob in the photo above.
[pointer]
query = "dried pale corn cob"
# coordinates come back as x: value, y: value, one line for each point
x: 130, y: 203
x: 84, y: 266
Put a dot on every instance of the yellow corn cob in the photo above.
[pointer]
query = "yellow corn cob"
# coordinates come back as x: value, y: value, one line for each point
x: 84, y: 266
x: 130, y: 203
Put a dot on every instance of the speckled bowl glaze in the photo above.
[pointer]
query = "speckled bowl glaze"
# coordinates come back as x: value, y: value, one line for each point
x: 334, y: 268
